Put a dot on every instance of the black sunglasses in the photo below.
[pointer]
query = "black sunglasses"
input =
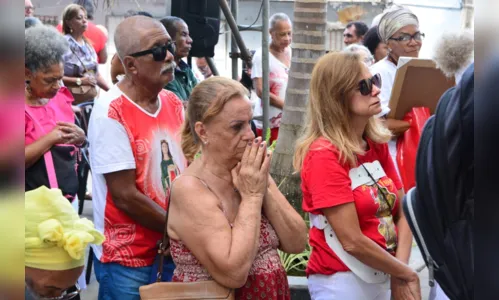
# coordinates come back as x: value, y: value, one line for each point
x: 158, y: 53
x: 366, y: 85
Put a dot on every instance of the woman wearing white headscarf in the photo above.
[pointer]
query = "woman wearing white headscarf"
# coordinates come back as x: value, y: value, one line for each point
x: 399, y: 29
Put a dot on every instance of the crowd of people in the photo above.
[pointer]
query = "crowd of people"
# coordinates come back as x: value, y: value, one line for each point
x: 165, y: 144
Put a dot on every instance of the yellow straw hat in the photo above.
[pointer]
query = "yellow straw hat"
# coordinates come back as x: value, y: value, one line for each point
x: 55, y: 236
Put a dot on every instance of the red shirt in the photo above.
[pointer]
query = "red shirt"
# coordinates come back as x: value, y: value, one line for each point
x: 97, y: 38
x: 326, y: 182
x: 123, y: 136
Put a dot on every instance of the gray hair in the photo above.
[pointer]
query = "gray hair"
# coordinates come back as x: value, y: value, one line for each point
x: 44, y: 47
x: 395, y: 18
x: 276, y: 18
x: 357, y: 48
x: 454, y: 52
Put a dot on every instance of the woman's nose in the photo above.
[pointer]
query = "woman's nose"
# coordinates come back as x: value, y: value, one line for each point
x: 250, y: 135
x: 375, y: 91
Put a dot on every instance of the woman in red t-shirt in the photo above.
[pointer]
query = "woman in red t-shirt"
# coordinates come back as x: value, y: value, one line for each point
x: 360, y: 238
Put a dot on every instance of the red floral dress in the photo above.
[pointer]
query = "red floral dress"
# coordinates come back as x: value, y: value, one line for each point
x: 267, y: 278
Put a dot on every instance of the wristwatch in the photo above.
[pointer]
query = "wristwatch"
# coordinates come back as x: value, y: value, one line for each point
x: 78, y: 81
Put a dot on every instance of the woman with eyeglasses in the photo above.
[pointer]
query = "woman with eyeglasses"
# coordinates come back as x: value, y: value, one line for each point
x: 359, y: 236
x: 399, y: 30
x: 80, y: 62
x: 55, y: 241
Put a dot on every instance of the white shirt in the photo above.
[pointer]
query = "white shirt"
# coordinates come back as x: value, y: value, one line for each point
x: 387, y: 70
x: 278, y: 82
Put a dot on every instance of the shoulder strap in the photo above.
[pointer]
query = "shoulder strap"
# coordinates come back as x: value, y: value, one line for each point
x: 164, y: 246
x: 49, y: 161
x: 82, y: 64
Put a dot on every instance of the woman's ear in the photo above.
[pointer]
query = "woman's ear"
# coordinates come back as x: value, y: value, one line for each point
x: 28, y: 75
x: 200, y: 130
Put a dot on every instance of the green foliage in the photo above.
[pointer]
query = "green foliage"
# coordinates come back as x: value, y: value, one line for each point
x: 267, y: 135
x: 197, y: 155
x: 295, y: 264
x: 267, y: 139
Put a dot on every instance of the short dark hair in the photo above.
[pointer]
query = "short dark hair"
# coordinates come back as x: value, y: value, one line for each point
x: 372, y: 39
x: 144, y: 13
x: 88, y: 5
x: 133, y: 12
x: 170, y: 24
x: 360, y: 28
x: 31, y: 21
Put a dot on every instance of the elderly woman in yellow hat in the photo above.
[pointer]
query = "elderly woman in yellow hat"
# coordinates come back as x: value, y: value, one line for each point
x: 55, y: 243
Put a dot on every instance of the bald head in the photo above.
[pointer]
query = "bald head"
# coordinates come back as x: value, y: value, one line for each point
x: 28, y: 8
x: 131, y: 35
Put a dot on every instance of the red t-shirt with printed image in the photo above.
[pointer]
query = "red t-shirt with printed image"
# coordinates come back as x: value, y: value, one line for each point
x: 124, y: 136
x: 327, y: 182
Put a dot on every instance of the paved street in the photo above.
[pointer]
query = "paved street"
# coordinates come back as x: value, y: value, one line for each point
x: 93, y: 287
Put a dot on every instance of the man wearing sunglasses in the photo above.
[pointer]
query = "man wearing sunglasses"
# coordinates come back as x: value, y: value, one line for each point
x: 126, y: 131
x: 354, y: 33
x: 184, y: 80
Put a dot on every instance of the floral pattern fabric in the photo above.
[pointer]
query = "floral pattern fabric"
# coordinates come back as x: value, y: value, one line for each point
x: 267, y: 278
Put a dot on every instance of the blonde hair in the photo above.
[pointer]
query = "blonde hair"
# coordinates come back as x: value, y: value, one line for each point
x: 335, y: 78
x: 207, y: 100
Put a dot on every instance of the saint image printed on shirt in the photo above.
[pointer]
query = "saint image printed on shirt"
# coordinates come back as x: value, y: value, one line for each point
x: 386, y: 226
x: 169, y: 170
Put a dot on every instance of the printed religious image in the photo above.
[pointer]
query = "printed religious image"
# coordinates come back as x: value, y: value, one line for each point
x: 168, y: 168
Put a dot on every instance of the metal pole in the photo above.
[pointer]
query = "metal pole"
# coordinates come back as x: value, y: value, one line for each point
x: 212, y: 66
x: 245, y: 54
x: 265, y: 66
x: 234, y: 50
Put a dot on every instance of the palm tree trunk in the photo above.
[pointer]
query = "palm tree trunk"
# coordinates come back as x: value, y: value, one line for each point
x: 309, y: 36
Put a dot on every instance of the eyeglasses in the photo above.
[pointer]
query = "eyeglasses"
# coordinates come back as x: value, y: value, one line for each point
x: 366, y: 85
x: 66, y: 295
x: 158, y: 53
x: 418, y: 37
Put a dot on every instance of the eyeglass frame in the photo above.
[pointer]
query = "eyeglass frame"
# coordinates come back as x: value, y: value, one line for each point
x: 169, y: 47
x: 411, y: 37
x: 64, y: 296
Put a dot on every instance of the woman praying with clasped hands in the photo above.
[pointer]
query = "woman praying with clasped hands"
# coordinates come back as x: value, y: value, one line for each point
x: 227, y: 217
